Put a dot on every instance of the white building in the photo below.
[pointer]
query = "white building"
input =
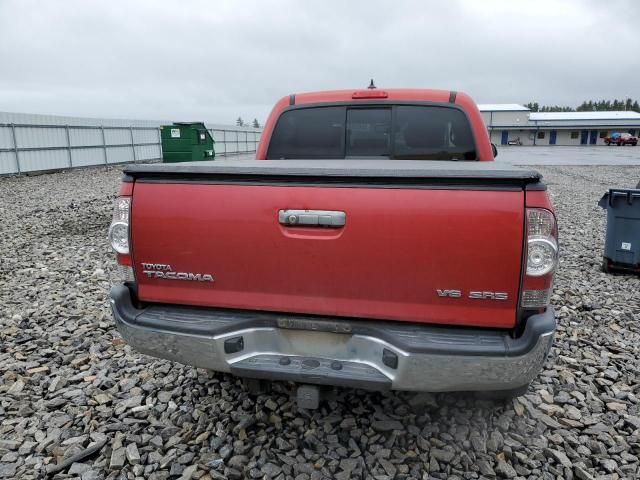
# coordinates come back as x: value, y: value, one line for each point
x: 511, y: 122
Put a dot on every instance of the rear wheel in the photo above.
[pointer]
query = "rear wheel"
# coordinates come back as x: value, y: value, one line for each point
x: 608, y: 143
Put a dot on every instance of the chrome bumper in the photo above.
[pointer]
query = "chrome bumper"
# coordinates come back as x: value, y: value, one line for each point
x: 366, y: 354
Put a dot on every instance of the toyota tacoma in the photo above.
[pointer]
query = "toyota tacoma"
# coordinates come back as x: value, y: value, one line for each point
x: 372, y: 243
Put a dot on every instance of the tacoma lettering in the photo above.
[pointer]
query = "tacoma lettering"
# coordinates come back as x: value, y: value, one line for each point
x: 159, y: 270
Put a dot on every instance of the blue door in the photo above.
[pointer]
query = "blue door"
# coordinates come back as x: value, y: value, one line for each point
x: 593, y: 137
x: 584, y: 136
x: 552, y: 137
x: 505, y: 137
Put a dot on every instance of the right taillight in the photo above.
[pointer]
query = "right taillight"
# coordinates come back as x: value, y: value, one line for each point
x: 541, y: 258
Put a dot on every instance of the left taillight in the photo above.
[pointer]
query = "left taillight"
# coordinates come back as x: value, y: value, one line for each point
x: 119, y: 237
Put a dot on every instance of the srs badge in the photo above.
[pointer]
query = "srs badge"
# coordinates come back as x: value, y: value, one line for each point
x: 164, y: 271
x: 475, y: 295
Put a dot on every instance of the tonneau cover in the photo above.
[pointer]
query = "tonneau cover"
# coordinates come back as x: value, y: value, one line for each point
x: 375, y: 171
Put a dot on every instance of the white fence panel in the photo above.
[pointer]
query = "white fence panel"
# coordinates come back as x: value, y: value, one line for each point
x: 85, y: 136
x: 117, y: 136
x: 6, y: 138
x: 242, y: 142
x: 8, y: 163
x: 49, y: 142
x: 119, y: 155
x: 145, y: 136
x: 218, y: 135
x: 145, y: 153
x: 35, y: 137
x: 84, y: 157
x: 231, y: 147
x: 34, y: 160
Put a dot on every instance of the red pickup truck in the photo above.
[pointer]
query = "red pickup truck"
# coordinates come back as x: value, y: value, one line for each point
x: 621, y: 139
x: 373, y: 243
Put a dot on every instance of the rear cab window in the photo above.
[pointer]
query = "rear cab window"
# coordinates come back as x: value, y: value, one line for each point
x: 403, y: 132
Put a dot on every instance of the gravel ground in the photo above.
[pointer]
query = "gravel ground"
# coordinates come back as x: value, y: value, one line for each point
x: 69, y: 386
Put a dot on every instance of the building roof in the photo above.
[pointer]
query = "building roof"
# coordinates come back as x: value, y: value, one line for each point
x: 502, y: 107
x: 569, y: 116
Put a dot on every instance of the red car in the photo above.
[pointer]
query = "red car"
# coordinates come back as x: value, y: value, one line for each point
x: 621, y: 139
x: 373, y: 243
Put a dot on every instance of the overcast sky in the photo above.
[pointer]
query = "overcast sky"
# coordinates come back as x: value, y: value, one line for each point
x: 216, y: 60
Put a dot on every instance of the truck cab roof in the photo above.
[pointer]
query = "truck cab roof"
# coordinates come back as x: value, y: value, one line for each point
x: 391, y: 94
x: 394, y: 98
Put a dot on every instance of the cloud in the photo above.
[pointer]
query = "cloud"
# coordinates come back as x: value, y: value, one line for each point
x: 218, y: 60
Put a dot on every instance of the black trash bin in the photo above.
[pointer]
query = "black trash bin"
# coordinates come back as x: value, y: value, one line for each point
x: 622, y: 245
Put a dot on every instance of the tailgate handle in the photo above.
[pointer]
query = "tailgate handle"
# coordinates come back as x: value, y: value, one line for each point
x: 312, y: 218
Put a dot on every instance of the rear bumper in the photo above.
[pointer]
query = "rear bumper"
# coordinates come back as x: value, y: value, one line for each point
x: 355, y: 353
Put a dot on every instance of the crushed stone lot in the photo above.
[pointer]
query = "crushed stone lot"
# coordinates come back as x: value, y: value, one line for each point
x: 77, y: 402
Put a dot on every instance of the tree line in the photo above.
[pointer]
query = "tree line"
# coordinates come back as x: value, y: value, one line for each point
x: 589, y: 106
x: 240, y: 123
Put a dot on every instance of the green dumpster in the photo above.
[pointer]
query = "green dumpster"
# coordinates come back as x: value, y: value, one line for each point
x: 186, y: 142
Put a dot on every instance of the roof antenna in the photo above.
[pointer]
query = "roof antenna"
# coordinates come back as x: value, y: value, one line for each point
x: 371, y: 85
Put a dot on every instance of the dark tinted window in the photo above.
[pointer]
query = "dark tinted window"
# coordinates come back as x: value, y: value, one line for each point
x: 432, y: 133
x: 368, y: 132
x: 309, y: 133
x: 399, y: 131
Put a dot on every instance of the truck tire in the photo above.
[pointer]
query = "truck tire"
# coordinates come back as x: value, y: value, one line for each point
x: 503, y: 395
x: 608, y: 143
x: 605, y: 263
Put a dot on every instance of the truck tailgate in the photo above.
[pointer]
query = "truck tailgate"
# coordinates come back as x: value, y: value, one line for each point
x: 402, y: 254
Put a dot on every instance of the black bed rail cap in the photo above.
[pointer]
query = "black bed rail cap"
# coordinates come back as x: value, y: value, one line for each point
x: 356, y: 169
